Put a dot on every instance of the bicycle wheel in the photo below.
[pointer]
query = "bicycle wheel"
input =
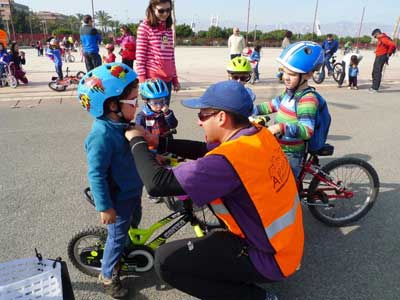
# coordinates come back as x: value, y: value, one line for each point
x: 55, y: 86
x: 319, y: 76
x: 338, y: 72
x: 360, y: 188
x: 85, y: 250
x: 12, y: 81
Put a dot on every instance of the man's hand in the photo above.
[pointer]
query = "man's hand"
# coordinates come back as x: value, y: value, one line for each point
x: 134, y: 131
x: 137, y: 130
x: 108, y: 216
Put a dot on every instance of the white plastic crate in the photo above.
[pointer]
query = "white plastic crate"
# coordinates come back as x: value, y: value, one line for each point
x: 29, y: 279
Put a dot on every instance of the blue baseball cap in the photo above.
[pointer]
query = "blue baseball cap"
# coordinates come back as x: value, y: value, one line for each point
x: 227, y: 95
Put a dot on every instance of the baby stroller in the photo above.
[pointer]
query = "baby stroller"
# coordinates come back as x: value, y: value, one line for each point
x: 7, y: 77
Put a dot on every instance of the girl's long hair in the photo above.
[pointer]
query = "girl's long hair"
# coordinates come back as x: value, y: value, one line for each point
x: 151, y: 16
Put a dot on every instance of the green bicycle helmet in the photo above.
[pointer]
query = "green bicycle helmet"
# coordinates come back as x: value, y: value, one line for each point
x: 239, y: 64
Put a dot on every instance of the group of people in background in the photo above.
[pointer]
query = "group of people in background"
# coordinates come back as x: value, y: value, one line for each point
x: 11, y: 60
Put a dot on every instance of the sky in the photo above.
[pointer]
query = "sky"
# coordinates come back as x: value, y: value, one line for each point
x: 232, y: 12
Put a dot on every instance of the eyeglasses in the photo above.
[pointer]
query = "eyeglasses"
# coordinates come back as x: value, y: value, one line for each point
x: 204, y: 116
x: 162, y: 11
x: 131, y: 102
x: 158, y: 102
x: 243, y: 78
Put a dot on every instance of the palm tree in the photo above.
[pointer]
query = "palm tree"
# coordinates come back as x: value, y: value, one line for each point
x: 114, y: 24
x: 74, y: 22
x: 103, y: 18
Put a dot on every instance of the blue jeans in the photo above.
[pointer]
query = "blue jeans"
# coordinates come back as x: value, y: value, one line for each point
x: 328, y: 63
x: 295, y: 159
x: 59, y: 72
x: 127, y: 211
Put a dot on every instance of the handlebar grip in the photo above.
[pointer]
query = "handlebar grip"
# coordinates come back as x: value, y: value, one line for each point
x: 88, y: 196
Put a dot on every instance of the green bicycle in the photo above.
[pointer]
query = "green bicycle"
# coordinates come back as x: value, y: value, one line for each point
x: 85, y: 248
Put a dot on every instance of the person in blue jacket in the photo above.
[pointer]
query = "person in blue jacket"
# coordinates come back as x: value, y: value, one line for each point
x: 109, y: 93
x: 90, y: 39
x: 330, y: 46
x: 54, y: 53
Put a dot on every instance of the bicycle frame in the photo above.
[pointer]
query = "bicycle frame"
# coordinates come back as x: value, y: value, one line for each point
x: 139, y: 237
x: 311, y: 166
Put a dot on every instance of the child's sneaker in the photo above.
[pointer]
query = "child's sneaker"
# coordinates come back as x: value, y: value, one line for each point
x: 355, y: 88
x: 113, y: 287
x: 350, y: 87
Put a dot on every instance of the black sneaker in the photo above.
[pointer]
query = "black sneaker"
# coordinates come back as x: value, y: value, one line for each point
x: 113, y: 287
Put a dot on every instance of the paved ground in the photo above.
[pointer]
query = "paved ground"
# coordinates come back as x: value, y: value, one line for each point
x: 42, y: 173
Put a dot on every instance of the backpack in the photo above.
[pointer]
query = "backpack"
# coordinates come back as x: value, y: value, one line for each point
x: 322, y: 121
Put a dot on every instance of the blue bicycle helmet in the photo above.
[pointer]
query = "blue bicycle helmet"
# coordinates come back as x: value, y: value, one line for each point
x: 302, y: 57
x: 153, y: 89
x: 102, y: 83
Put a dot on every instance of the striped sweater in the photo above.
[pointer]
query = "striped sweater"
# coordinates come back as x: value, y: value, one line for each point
x: 155, y: 56
x: 297, y: 120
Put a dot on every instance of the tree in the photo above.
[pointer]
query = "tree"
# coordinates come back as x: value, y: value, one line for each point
x: 103, y: 18
x: 183, y: 31
x: 215, y: 32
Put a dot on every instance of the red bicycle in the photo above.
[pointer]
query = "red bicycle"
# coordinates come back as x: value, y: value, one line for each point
x: 338, y: 193
x: 61, y: 85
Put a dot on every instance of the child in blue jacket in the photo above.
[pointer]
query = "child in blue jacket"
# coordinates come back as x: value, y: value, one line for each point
x: 54, y: 53
x: 109, y: 93
x: 255, y: 60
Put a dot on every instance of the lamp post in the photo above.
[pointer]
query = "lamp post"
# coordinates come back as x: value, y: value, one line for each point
x: 93, y: 13
x: 315, y: 18
x: 248, y: 19
x: 11, y: 19
x: 359, y: 29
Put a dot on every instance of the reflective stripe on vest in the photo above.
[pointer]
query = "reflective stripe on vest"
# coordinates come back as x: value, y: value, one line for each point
x: 284, y: 221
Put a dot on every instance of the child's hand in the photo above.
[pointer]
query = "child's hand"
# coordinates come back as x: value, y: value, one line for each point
x: 165, y: 108
x: 160, y: 159
x: 275, y: 129
x: 108, y: 216
x: 177, y: 87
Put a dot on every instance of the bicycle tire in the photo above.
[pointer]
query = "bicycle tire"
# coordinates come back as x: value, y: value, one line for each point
x: 338, y: 72
x: 12, y: 81
x: 343, y: 211
x: 57, y: 87
x: 74, y: 256
x: 319, y: 76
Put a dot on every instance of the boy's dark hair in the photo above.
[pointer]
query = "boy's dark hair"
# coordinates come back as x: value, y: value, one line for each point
x: 354, y: 59
x: 87, y: 18
x: 329, y: 35
x: 151, y: 16
x: 238, y: 120
x: 288, y: 34
x: 257, y: 48
x: 127, y: 90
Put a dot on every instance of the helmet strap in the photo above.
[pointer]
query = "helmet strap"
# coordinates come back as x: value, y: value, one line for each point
x: 299, y: 84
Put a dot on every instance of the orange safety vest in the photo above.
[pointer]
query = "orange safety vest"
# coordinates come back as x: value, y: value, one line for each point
x: 266, y: 175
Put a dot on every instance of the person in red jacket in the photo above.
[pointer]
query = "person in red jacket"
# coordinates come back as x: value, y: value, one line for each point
x: 384, y: 49
x: 128, y: 46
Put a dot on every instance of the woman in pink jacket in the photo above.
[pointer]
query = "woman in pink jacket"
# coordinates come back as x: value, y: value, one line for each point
x: 155, y: 53
x: 128, y: 46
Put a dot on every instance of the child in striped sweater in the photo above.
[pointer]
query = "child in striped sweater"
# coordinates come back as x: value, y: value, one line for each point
x: 296, y: 107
